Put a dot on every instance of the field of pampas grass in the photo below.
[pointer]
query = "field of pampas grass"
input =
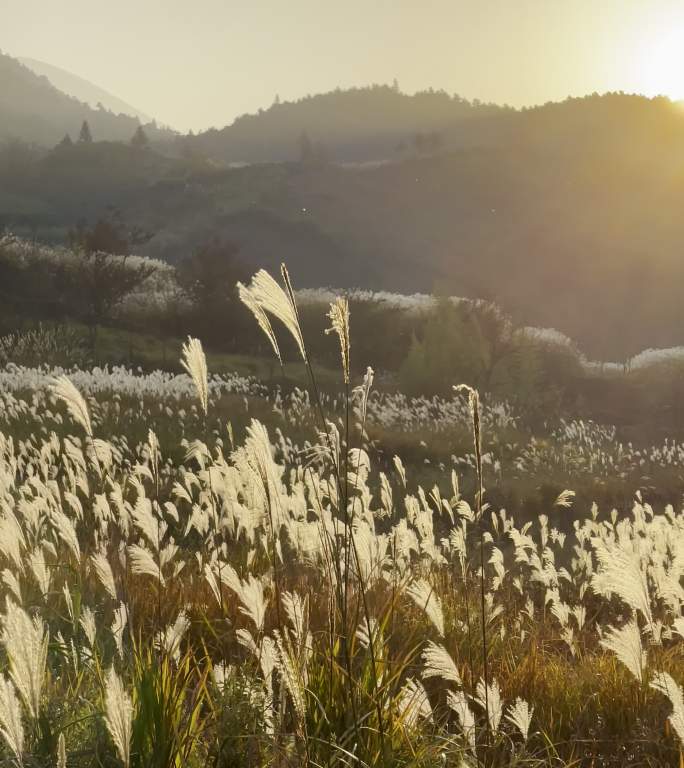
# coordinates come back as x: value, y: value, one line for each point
x: 188, y: 583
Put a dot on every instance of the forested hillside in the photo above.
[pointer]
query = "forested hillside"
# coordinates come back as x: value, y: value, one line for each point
x: 562, y: 214
x: 33, y: 111
x: 358, y: 124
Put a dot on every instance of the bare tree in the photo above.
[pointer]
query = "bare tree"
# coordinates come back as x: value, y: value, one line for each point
x: 104, y: 274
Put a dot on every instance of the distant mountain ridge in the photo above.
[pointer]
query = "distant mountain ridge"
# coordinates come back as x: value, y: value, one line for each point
x: 34, y: 111
x: 358, y: 124
x: 82, y: 90
x: 568, y: 215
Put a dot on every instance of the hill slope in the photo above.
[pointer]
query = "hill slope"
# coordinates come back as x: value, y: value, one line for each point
x: 82, y: 90
x: 359, y: 124
x: 34, y: 111
x: 567, y: 215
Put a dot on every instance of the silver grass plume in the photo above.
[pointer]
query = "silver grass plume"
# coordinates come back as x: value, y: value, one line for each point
x: 520, y: 715
x: 457, y: 701
x: 297, y: 608
x: 67, y: 599
x: 12, y: 584
x: 250, y: 301
x: 369, y: 630
x: 61, y: 751
x: 413, y: 703
x: 266, y: 653
x: 119, y: 716
x: 119, y: 625
x: 250, y: 592
x: 143, y: 563
x: 12, y: 539
x: 399, y: 466
x: 103, y: 452
x: 289, y: 292
x: 361, y: 395
x: 474, y: 405
x: 173, y: 635
x: 424, y: 596
x: 152, y: 527
x: 625, y: 643
x: 195, y: 363
x: 63, y: 389
x: 66, y: 531
x: 564, y: 499
x: 664, y: 683
x: 620, y: 573
x: 41, y: 571
x: 88, y: 624
x: 265, y: 294
x: 288, y: 669
x: 438, y: 663
x: 11, y: 727
x: 26, y: 644
x: 212, y: 581
x: 489, y: 698
x: 103, y: 571
x: 339, y: 324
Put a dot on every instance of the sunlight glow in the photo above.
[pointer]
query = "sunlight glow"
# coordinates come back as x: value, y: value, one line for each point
x: 661, y: 65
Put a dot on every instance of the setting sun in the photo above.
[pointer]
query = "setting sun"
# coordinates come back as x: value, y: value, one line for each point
x: 660, y: 65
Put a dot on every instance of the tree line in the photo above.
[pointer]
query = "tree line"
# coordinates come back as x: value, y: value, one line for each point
x: 421, y: 353
x: 85, y: 136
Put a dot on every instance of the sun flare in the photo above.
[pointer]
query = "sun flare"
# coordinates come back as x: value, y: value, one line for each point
x: 661, y: 65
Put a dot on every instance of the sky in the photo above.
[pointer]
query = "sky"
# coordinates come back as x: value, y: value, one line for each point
x: 194, y: 64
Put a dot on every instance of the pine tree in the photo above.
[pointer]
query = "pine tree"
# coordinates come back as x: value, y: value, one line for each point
x: 85, y: 136
x: 139, y: 138
x: 66, y: 141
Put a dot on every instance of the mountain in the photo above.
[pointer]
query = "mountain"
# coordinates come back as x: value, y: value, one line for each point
x: 34, y: 111
x: 568, y: 214
x: 356, y: 125
x: 82, y: 90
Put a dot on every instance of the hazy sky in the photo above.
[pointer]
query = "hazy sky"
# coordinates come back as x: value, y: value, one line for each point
x: 198, y: 63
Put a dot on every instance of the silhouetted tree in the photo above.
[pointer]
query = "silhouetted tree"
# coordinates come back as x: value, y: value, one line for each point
x: 66, y: 141
x: 104, y: 237
x: 450, y: 348
x: 139, y: 138
x: 85, y: 136
x: 104, y: 275
x: 209, y: 276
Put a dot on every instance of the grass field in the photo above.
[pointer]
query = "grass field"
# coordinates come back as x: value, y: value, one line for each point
x: 200, y: 569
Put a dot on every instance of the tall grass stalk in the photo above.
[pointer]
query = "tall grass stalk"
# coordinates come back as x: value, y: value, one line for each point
x: 474, y: 402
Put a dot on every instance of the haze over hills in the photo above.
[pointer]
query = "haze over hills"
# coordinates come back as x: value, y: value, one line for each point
x: 567, y: 214
x: 358, y: 124
x: 34, y: 111
x: 82, y: 90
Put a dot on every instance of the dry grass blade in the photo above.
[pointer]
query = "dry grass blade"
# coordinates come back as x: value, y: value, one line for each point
x: 339, y: 320
x: 195, y: 363
x: 263, y: 296
x: 119, y: 716
x: 63, y: 388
